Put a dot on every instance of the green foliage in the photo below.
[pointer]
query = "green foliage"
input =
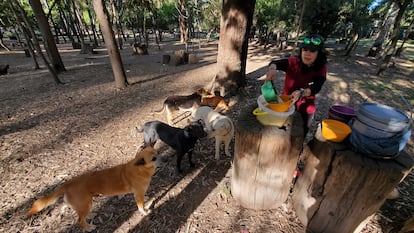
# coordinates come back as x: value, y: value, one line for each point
x: 167, y: 16
x: 6, y: 17
x: 211, y: 15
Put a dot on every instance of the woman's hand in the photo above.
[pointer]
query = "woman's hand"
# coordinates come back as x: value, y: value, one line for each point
x: 295, y: 96
x: 271, y: 73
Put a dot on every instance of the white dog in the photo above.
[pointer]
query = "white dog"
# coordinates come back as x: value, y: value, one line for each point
x: 218, y: 126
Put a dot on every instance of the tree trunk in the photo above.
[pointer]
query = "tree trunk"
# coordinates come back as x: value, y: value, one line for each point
x: 299, y: 28
x: 65, y: 25
x: 182, y: 19
x: 21, y: 14
x: 235, y: 24
x: 394, y: 38
x: 338, y: 189
x: 352, y: 44
x: 265, y: 158
x: 49, y: 42
x: 114, y: 55
x: 406, y: 36
x: 80, y: 25
x: 95, y: 36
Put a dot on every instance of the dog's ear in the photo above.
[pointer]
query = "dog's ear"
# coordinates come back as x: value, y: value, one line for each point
x: 151, y: 143
x: 201, y: 122
x: 140, y: 162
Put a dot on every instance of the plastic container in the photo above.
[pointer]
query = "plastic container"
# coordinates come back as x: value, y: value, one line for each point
x: 334, y: 130
x: 341, y: 113
x: 383, y: 117
x: 267, y: 116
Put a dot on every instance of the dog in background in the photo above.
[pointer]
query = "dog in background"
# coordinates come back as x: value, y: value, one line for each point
x: 201, y: 97
x: 177, y: 103
x: 214, y: 101
x: 182, y: 140
x: 217, y: 125
x: 132, y: 177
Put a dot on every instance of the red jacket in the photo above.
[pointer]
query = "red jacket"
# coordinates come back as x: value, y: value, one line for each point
x: 298, y: 77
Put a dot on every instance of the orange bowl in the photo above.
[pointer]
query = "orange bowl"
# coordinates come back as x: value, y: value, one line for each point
x: 281, y: 107
x: 335, y: 131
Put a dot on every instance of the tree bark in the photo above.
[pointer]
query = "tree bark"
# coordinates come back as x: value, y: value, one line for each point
x: 114, y: 55
x: 235, y: 24
x: 49, y: 42
x: 265, y: 158
x: 182, y: 20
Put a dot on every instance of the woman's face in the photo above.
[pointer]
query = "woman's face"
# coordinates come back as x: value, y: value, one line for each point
x: 308, y: 56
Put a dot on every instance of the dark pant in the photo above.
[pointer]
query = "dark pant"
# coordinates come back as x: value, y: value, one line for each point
x: 307, y: 121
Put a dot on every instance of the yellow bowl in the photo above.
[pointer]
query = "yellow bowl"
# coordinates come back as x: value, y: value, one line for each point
x: 335, y: 131
x: 281, y: 107
x: 272, y: 119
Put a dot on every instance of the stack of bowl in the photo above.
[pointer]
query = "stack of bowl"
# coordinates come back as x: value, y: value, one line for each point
x: 341, y: 113
x: 379, y: 129
x: 380, y: 121
x: 268, y: 115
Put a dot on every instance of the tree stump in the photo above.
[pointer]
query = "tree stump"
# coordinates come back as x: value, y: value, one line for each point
x: 192, y: 58
x: 87, y: 49
x: 166, y: 59
x: 338, y: 188
x: 179, y: 57
x: 76, y: 45
x: 265, y: 158
x: 140, y: 49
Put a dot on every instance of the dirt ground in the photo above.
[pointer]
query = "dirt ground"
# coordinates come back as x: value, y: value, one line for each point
x: 50, y: 133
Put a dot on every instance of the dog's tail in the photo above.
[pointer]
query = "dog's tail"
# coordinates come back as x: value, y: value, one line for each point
x: 161, y: 110
x: 46, y: 201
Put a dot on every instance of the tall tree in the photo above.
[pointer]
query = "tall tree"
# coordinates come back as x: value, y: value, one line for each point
x: 183, y: 20
x: 21, y: 16
x: 49, y: 41
x: 402, y: 6
x: 236, y: 21
x: 109, y: 37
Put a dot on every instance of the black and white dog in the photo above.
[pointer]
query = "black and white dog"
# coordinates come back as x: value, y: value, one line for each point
x: 182, y: 140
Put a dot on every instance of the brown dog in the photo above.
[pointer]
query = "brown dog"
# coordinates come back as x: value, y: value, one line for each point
x: 214, y: 101
x: 132, y: 177
x: 177, y: 103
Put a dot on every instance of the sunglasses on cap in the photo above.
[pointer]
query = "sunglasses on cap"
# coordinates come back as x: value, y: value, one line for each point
x: 314, y: 41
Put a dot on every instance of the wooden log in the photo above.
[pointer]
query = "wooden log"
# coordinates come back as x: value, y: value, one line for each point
x: 76, y: 45
x: 192, y: 58
x: 87, y: 49
x: 166, y: 59
x: 265, y: 158
x: 338, y: 188
x: 178, y: 57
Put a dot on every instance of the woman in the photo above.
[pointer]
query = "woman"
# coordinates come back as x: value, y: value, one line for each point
x: 304, y: 76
